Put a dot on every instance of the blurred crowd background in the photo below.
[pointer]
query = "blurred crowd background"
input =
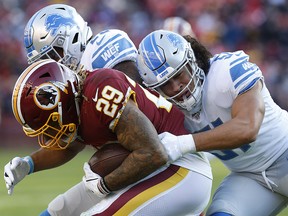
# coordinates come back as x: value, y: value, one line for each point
x: 259, y: 27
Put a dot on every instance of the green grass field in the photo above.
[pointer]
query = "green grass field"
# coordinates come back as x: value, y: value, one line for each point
x: 33, y: 194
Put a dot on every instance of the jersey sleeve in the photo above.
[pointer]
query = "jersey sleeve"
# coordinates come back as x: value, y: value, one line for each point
x: 233, y: 75
x: 108, y: 48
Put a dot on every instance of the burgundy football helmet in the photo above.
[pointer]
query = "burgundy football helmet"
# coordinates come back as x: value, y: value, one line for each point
x: 45, y: 103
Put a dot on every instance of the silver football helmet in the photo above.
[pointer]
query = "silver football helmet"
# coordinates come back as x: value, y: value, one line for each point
x: 162, y: 55
x: 57, y: 32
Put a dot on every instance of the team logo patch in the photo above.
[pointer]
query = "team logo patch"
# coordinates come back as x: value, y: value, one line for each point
x: 175, y: 40
x: 47, y: 96
x: 55, y: 21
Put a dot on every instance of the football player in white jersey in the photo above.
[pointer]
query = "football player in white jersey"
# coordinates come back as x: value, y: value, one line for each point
x: 230, y: 113
x: 113, y: 47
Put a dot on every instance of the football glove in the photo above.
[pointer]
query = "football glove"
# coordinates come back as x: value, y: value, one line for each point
x: 94, y: 182
x: 177, y: 146
x: 16, y: 170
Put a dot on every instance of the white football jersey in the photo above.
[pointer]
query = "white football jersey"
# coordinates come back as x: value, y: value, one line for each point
x: 230, y: 75
x: 107, y: 49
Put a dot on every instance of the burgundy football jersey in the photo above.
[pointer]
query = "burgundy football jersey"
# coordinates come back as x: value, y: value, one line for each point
x: 106, y: 92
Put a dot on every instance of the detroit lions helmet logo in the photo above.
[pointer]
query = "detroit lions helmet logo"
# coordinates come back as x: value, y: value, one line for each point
x: 47, y: 96
x: 55, y: 21
x: 176, y: 41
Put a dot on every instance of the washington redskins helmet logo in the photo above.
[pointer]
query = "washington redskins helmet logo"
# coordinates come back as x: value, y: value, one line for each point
x: 47, y: 96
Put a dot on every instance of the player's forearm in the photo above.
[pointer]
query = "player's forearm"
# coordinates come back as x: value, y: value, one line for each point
x: 230, y: 135
x: 137, y: 166
x: 247, y: 114
x: 137, y: 134
x: 47, y: 159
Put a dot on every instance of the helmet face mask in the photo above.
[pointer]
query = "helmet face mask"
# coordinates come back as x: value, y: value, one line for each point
x: 53, y: 134
x: 162, y: 56
x: 45, y: 103
x: 190, y: 92
x: 50, y: 52
x: 56, y: 26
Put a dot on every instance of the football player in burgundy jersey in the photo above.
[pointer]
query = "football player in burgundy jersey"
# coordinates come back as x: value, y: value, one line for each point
x: 111, y: 107
x: 115, y: 54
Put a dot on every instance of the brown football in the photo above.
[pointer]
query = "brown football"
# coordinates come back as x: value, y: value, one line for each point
x: 108, y: 158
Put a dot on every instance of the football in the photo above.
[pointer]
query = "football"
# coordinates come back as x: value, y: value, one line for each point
x: 108, y: 158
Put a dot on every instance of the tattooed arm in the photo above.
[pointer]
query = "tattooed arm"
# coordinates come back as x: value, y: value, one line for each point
x: 136, y: 133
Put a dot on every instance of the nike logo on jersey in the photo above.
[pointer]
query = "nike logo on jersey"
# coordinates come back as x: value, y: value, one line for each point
x: 96, y: 96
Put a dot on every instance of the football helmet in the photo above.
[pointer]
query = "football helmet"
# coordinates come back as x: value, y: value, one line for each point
x: 45, y: 103
x: 161, y: 55
x: 107, y: 49
x: 58, y: 32
x: 178, y: 25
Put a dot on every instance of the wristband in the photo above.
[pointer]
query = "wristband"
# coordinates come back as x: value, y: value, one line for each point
x: 103, y: 187
x: 29, y: 160
x: 186, y: 144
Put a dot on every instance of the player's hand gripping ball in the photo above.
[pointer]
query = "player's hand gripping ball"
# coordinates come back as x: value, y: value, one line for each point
x: 108, y: 158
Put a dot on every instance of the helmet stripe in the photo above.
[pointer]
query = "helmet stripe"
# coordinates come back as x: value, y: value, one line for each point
x: 152, y: 55
x: 148, y: 50
x: 28, y: 35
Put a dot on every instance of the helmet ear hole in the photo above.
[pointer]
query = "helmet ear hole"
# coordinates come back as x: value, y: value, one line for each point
x: 45, y: 75
x: 75, y: 39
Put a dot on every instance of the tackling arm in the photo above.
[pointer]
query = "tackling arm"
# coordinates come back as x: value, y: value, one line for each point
x: 247, y: 115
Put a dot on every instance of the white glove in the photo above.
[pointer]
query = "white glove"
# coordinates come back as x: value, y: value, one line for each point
x: 177, y: 146
x: 16, y: 170
x: 94, y: 182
